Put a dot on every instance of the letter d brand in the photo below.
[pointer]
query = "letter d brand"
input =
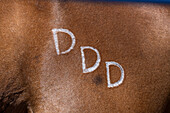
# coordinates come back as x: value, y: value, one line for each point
x: 55, y: 36
x: 95, y: 66
x: 120, y: 81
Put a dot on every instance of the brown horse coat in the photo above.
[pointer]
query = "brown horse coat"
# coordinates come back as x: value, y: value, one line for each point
x: 134, y: 35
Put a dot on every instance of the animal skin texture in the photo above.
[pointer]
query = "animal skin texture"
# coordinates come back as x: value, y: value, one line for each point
x: 136, y: 35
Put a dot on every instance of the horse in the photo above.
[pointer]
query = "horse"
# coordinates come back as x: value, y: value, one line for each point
x: 35, y: 76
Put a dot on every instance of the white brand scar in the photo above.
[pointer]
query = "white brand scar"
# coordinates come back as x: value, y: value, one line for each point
x: 94, y: 67
x: 55, y: 36
x: 97, y: 63
x: 108, y: 74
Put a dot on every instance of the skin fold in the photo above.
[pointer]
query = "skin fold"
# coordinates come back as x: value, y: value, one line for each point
x: 136, y: 35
